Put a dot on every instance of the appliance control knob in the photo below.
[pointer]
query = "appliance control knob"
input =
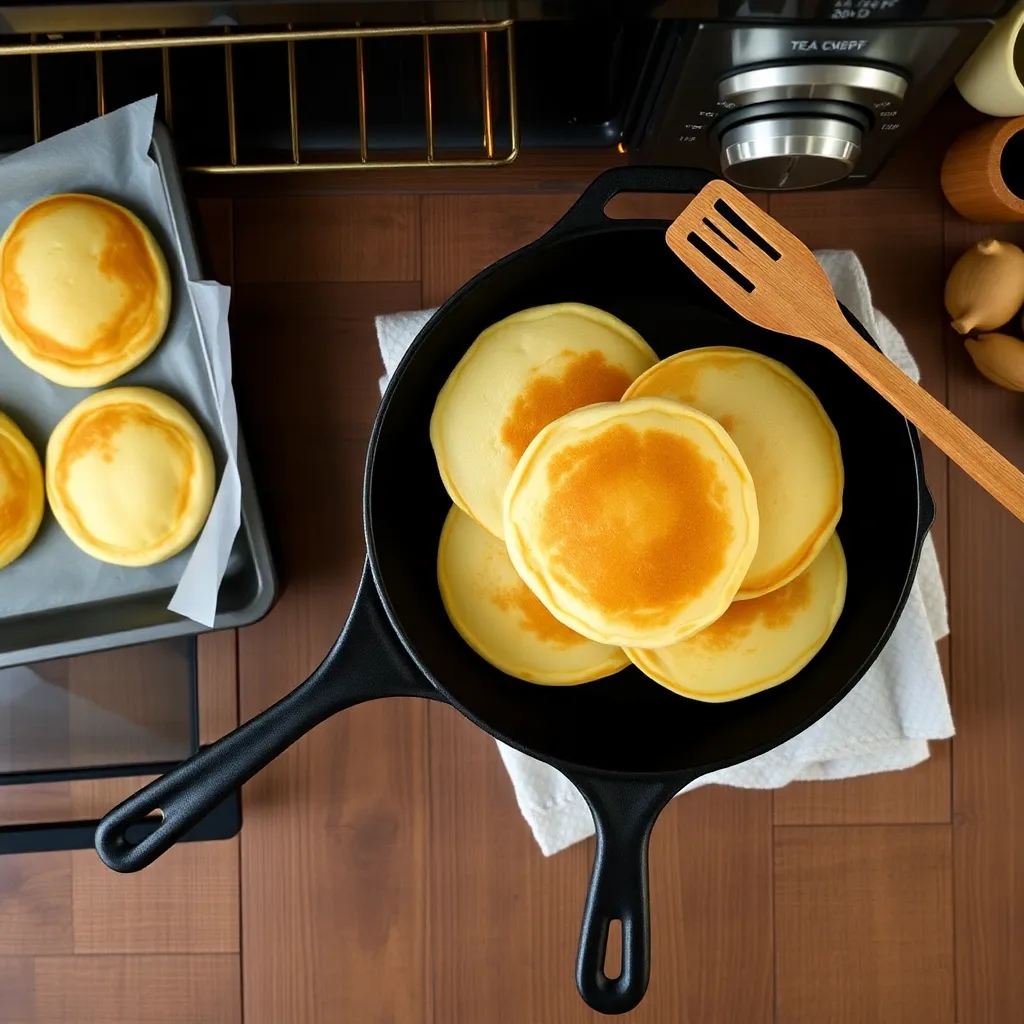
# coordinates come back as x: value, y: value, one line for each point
x: 789, y: 152
x: 867, y: 86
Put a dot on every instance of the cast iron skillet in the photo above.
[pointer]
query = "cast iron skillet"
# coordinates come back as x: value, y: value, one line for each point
x: 628, y: 744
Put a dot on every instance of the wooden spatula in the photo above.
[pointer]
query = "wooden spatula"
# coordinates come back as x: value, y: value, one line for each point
x: 770, y: 277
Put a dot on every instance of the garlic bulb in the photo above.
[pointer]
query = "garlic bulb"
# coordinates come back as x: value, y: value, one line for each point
x: 1000, y: 358
x: 985, y: 288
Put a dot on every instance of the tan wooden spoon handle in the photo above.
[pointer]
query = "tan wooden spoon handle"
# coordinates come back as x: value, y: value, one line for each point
x: 976, y: 457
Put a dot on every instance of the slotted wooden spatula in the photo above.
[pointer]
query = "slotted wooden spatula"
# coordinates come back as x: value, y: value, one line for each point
x: 770, y: 277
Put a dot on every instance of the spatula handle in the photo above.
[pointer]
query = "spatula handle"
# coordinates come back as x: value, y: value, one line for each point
x: 976, y: 457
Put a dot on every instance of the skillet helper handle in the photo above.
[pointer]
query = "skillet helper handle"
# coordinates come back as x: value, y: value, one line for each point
x: 975, y: 456
x: 926, y: 519
x: 588, y: 210
x: 624, y: 812
x: 366, y: 662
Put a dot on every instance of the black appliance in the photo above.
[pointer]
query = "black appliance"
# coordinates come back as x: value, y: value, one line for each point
x: 773, y: 93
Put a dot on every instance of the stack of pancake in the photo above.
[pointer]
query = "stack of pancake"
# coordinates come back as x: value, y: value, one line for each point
x: 610, y: 508
x: 85, y: 296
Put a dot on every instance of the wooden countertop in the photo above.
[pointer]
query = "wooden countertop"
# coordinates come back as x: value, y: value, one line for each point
x: 383, y: 872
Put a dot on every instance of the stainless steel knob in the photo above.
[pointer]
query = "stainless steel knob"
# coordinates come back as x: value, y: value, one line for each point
x: 789, y: 152
x: 848, y: 83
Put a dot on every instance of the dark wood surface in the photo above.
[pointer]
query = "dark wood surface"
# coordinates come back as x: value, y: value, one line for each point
x: 384, y: 873
x: 79, y: 945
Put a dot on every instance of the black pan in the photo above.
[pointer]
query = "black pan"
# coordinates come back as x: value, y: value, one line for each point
x: 625, y: 742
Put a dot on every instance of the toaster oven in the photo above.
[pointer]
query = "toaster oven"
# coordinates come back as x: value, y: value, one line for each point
x: 776, y: 94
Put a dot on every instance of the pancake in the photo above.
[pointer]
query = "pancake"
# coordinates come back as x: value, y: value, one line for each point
x: 758, y: 643
x: 84, y: 290
x: 129, y: 476
x: 633, y: 522
x: 786, y: 439
x: 518, y: 376
x: 499, y: 617
x: 21, y: 492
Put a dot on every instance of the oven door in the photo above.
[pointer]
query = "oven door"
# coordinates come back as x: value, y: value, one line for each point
x: 258, y: 95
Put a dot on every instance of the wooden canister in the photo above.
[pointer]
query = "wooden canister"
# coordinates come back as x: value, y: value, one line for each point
x: 983, y: 172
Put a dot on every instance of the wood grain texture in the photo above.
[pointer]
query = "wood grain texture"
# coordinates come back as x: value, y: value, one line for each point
x: 334, y: 324
x: 92, y: 798
x: 217, y: 683
x: 186, y: 902
x: 462, y: 234
x: 658, y: 206
x: 137, y: 702
x: 326, y: 238
x: 77, y: 800
x: 920, y: 794
x: 36, y: 802
x: 863, y: 925
x: 334, y: 847
x: 215, y: 235
x: 197, y: 989
x: 35, y: 903
x: 972, y: 177
x: 711, y: 859
x: 334, y: 907
x: 17, y: 989
x: 986, y: 609
x: 906, y: 273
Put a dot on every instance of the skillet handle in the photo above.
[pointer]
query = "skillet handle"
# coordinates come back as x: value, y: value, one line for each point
x: 624, y: 813
x: 927, y: 515
x: 588, y: 210
x: 366, y: 662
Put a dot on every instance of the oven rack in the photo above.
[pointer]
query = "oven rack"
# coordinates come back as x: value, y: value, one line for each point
x: 496, y: 148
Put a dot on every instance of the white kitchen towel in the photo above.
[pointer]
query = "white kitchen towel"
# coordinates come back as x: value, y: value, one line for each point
x: 883, y: 724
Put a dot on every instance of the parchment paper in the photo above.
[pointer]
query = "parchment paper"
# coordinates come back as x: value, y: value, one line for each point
x: 110, y: 157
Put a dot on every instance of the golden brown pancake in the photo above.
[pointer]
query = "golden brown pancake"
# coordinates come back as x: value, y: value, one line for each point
x: 21, y: 492
x: 84, y: 290
x: 498, y: 615
x: 757, y: 643
x: 129, y: 476
x: 633, y: 522
x: 786, y: 439
x: 518, y: 376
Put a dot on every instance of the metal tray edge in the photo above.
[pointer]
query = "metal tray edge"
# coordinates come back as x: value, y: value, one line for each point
x: 252, y: 527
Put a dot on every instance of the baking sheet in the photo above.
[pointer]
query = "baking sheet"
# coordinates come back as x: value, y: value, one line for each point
x: 110, y: 157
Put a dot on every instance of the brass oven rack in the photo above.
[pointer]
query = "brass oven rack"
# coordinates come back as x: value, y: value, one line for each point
x: 488, y: 32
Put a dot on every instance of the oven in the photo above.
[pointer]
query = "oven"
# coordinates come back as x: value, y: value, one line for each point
x: 775, y: 94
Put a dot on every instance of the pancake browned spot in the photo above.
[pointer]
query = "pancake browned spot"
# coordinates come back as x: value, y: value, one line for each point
x: 129, y: 476
x: 757, y: 643
x: 583, y: 378
x: 501, y: 619
x: 633, y: 522
x: 786, y: 439
x: 652, y: 505
x: 21, y: 491
x: 514, y: 379
x: 84, y: 289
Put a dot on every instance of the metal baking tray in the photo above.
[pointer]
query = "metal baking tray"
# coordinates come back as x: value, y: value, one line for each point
x: 39, y: 619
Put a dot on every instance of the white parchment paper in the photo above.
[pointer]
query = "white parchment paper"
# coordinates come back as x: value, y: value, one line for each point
x: 110, y: 157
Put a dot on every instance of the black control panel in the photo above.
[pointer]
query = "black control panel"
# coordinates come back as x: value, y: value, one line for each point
x: 786, y: 82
